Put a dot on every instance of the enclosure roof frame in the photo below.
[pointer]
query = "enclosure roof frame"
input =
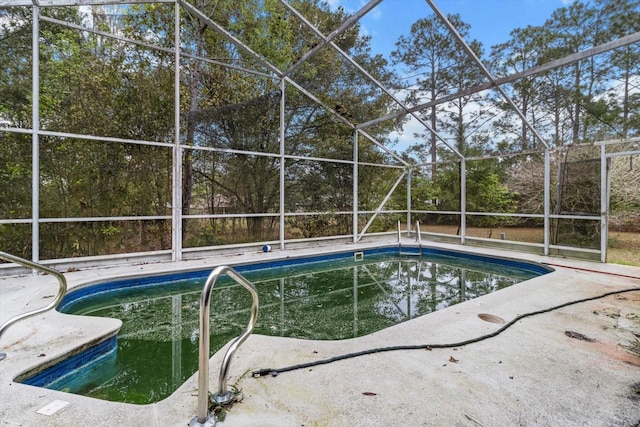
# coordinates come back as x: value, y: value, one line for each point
x: 485, y: 70
x: 328, y: 40
x: 57, y: 3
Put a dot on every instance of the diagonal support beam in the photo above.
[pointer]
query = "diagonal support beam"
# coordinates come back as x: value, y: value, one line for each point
x: 319, y: 102
x: 326, y: 39
x: 230, y: 37
x: 372, y: 79
x: 379, y: 208
x: 570, y: 59
x: 151, y: 46
x: 484, y: 69
x: 384, y: 147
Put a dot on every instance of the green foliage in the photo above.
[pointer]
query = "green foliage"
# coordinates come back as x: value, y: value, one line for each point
x: 101, y: 86
x: 424, y: 192
x: 243, y: 116
x: 487, y: 194
x: 15, y: 66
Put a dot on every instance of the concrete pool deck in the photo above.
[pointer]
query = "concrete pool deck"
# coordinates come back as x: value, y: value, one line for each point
x: 567, y: 367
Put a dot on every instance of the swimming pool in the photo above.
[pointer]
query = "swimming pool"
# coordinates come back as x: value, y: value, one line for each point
x: 336, y: 296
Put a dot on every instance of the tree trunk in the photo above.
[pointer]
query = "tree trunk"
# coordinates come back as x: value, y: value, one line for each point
x: 576, y: 112
x: 187, y: 159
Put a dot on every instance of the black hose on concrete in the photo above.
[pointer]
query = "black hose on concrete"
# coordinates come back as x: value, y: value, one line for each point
x: 274, y: 372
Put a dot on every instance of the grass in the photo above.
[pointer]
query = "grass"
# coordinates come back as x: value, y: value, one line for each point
x: 624, y: 247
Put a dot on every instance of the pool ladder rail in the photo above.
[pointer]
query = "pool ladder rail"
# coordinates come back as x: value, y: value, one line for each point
x: 223, y: 396
x: 61, y: 292
x: 418, y: 240
x: 419, y: 236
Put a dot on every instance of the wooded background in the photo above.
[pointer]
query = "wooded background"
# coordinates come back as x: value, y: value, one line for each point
x: 107, y: 126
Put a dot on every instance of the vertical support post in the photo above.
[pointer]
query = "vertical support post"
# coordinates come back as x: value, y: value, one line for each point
x: 282, y: 163
x: 355, y: 186
x: 35, y: 136
x: 463, y: 200
x: 176, y: 211
x: 559, y: 188
x: 409, y: 198
x: 604, y: 203
x: 547, y: 199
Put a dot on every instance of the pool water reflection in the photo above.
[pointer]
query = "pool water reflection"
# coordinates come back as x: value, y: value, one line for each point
x: 157, y: 346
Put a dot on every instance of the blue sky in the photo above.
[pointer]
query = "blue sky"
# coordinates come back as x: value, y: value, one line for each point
x: 491, y: 20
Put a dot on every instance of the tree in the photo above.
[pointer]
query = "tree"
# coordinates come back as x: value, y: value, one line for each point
x: 623, y: 17
x: 242, y: 114
x: 94, y: 85
x: 15, y: 111
x: 230, y: 108
x: 573, y: 29
x: 429, y: 54
x: 518, y: 54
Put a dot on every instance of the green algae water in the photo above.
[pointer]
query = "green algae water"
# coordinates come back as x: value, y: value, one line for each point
x: 157, y: 346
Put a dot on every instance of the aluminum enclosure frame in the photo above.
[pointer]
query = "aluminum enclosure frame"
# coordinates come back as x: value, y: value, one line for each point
x: 282, y: 77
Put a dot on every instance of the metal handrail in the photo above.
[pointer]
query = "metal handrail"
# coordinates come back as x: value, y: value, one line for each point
x: 223, y: 396
x: 418, y: 235
x: 61, y: 292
